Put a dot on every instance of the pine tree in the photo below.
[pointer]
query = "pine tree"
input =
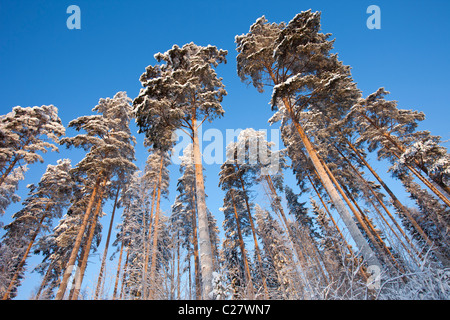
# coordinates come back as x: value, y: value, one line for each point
x: 392, y: 131
x: 231, y: 253
x: 374, y: 198
x: 432, y: 217
x: 57, y: 246
x: 164, y: 271
x: 214, y: 237
x: 100, y: 280
x: 156, y: 171
x: 184, y: 213
x: 24, y: 133
x: 248, y: 160
x: 236, y: 227
x: 183, y: 92
x: 296, y: 59
x: 133, y: 233
x: 111, y: 152
x: 139, y: 232
x: 127, y: 199
x: 184, y: 219
x: 279, y: 257
x: 237, y: 214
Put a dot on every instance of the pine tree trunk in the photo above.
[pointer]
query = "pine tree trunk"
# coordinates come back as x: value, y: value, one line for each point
x: 119, y: 264
x: 198, y: 283
x: 79, y: 238
x: 79, y: 262
x: 87, y: 249
x: 105, y: 251
x: 380, y: 201
x: 356, y: 234
x: 172, y: 278
x: 315, y: 255
x: 178, y: 267
x: 350, y: 250
x: 190, y: 279
x: 255, y: 240
x: 355, y: 212
x: 156, y: 231
x: 436, y: 191
x: 147, y: 244
x: 258, y: 252
x: 124, y: 273
x: 206, y: 260
x: 413, y: 257
x: 249, y: 282
x: 8, y: 171
x: 397, y: 202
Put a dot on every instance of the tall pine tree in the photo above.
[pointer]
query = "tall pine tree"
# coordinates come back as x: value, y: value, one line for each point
x: 296, y: 59
x: 183, y: 92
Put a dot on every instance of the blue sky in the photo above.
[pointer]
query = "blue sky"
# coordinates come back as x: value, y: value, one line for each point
x: 43, y: 62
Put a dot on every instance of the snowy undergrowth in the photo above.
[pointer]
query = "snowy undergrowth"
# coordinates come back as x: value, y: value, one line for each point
x: 430, y: 283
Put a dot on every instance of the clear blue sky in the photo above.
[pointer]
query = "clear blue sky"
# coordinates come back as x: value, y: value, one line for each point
x: 43, y: 62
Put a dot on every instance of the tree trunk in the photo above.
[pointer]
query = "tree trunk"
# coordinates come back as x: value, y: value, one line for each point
x: 189, y: 279
x: 198, y: 283
x: 206, y: 259
x: 295, y: 244
x: 255, y: 240
x: 105, y: 251
x: 395, y: 200
x: 119, y: 263
x: 147, y: 244
x: 79, y: 238
x: 249, y: 282
x: 378, y: 241
x: 380, y: 201
x: 171, y: 277
x: 156, y: 231
x: 178, y: 267
x: 87, y: 249
x: 349, y: 247
x: 8, y: 171
x: 429, y: 185
x: 356, y: 234
x: 350, y: 250
x: 355, y: 213
x: 79, y: 263
x: 125, y: 267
